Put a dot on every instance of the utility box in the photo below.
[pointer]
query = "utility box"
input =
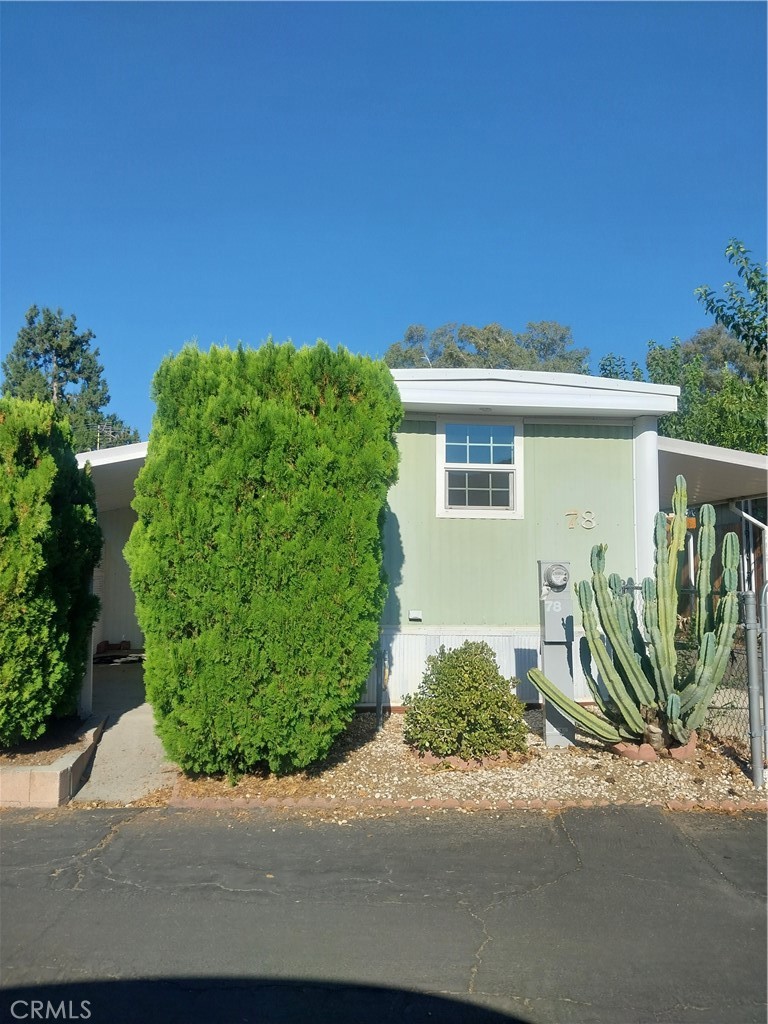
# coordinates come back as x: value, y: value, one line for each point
x: 556, y: 617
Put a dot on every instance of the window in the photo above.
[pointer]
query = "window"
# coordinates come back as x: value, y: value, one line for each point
x: 479, y: 469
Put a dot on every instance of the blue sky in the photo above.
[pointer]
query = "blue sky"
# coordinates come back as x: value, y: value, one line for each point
x: 229, y: 171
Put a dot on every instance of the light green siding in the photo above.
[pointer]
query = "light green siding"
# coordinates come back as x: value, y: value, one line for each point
x: 483, y: 572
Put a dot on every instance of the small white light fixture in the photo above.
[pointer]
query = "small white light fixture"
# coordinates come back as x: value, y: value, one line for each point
x: 414, y: 615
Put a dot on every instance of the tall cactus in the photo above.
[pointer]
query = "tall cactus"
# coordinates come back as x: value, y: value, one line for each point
x: 643, y: 695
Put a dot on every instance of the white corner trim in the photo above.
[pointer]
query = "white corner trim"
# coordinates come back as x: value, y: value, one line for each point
x: 645, y: 457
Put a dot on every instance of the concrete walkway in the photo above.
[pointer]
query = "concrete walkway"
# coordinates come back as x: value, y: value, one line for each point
x: 129, y: 762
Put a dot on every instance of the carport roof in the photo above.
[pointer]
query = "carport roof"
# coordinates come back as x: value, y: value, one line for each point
x: 712, y: 474
x: 114, y: 472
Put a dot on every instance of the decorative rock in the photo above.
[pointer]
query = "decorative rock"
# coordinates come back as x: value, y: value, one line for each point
x: 686, y: 753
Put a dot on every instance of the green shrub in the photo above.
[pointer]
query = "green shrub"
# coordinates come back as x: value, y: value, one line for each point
x: 464, y: 706
x: 49, y: 544
x: 257, y: 557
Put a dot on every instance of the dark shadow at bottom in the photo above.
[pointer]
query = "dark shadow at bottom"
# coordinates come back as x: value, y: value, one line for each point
x: 237, y: 1001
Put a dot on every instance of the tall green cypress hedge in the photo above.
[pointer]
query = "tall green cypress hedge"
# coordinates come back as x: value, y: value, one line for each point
x: 50, y: 542
x: 257, y: 557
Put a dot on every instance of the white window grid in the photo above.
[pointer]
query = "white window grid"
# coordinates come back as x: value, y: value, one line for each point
x: 450, y: 472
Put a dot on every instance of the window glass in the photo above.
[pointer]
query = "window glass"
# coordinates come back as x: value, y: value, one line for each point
x: 478, y: 433
x: 455, y: 453
x: 480, y: 454
x: 479, y: 444
x: 456, y: 433
x: 478, y: 490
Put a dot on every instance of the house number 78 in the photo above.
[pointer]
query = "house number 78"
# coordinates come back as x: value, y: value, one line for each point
x: 584, y: 519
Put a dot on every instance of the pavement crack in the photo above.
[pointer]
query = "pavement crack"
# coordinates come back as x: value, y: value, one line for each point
x: 78, y: 863
x: 711, y: 864
x: 503, y: 895
x: 478, y: 954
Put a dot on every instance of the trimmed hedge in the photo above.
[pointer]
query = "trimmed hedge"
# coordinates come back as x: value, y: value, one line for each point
x: 50, y: 542
x: 464, y: 706
x: 257, y: 556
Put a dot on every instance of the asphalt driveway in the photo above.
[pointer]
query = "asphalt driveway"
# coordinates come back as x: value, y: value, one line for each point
x: 613, y: 915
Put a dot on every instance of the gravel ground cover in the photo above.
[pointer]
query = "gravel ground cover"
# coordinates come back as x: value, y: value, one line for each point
x: 366, y: 766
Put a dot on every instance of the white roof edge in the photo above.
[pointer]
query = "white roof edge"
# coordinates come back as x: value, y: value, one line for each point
x: 108, y: 456
x: 542, y: 377
x: 732, y: 456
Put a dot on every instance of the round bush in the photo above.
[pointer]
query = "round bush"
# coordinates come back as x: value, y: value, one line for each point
x: 465, y: 706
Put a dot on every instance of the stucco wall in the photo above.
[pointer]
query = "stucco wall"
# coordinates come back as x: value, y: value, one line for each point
x: 112, y: 582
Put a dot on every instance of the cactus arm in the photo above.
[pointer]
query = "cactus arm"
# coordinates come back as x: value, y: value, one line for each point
x: 586, y: 667
x: 674, y: 723
x: 666, y: 596
x: 606, y: 705
x: 622, y: 646
x: 588, y: 721
x: 730, y: 560
x: 616, y: 587
x: 722, y: 641
x: 695, y: 690
x: 716, y: 648
x: 663, y: 671
x: 679, y: 732
x: 613, y: 682
x: 706, y: 549
x: 678, y: 532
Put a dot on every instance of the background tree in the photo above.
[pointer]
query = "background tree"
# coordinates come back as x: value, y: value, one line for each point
x: 719, y: 350
x: 545, y: 345
x: 51, y: 361
x: 616, y: 366
x: 744, y: 315
x: 257, y: 556
x: 723, y: 391
x: 49, y: 544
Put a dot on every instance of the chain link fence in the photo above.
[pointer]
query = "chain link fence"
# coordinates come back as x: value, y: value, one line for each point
x: 728, y: 715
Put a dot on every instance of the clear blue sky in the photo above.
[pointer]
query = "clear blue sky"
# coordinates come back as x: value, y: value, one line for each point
x: 229, y: 171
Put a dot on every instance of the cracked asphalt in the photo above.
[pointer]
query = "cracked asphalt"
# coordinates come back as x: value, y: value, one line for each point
x: 613, y: 915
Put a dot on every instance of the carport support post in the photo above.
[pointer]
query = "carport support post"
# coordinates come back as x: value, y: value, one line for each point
x: 753, y: 677
x: 764, y: 662
x: 85, y: 702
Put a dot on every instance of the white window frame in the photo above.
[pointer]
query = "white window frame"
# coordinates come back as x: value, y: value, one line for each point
x: 516, y: 469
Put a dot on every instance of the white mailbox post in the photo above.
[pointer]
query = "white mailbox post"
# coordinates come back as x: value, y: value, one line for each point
x: 557, y: 646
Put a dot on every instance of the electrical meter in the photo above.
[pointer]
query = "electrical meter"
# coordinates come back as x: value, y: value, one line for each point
x: 556, y: 576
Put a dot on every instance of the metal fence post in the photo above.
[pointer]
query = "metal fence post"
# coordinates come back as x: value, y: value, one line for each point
x: 764, y: 644
x: 379, y: 688
x: 753, y: 677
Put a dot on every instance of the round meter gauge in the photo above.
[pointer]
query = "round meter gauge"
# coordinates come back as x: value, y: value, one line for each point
x: 556, y: 576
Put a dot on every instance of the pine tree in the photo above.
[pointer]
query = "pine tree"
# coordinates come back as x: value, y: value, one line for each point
x: 53, y: 362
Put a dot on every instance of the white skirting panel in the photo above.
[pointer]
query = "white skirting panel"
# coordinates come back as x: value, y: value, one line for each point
x: 408, y: 648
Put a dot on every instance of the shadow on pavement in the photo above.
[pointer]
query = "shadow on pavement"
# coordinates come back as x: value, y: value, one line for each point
x: 238, y: 1001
